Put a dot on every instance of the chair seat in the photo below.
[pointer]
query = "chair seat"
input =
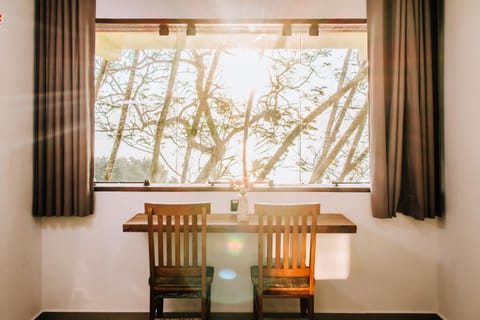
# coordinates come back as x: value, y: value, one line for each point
x: 277, y: 283
x: 188, y: 283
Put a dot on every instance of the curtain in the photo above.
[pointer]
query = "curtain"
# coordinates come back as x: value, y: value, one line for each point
x: 405, y: 107
x: 64, y: 108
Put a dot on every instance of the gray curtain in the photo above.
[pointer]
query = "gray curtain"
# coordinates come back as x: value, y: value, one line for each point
x: 64, y: 107
x: 405, y: 106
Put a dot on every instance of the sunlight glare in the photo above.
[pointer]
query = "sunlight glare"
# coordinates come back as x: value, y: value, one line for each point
x: 243, y: 72
x: 332, y: 260
x: 227, y: 274
x: 252, y: 28
x: 235, y: 246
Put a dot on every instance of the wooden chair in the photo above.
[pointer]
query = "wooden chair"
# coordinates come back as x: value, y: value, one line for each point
x: 176, y: 235
x: 282, y: 253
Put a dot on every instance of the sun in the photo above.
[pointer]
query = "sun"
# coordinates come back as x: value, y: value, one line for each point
x: 244, y: 70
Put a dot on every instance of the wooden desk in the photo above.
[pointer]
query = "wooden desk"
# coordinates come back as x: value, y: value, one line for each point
x: 227, y: 223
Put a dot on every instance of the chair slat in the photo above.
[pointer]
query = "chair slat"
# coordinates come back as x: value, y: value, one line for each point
x: 169, y: 240
x: 313, y: 243
x: 160, y: 241
x: 304, y: 243
x: 278, y: 238
x: 151, y: 241
x: 195, y: 241
x: 269, y: 241
x: 177, y: 241
x: 186, y: 236
x: 204, y: 255
x: 295, y: 243
x: 286, y: 243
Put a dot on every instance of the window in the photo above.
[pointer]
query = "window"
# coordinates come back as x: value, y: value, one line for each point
x: 188, y: 103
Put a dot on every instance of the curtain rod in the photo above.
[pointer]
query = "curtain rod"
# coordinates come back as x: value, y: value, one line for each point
x: 229, y: 21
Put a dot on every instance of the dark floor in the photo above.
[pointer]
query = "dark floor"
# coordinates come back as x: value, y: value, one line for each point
x: 230, y: 316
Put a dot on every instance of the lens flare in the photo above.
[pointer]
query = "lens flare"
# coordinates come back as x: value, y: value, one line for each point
x: 235, y: 246
x: 227, y: 274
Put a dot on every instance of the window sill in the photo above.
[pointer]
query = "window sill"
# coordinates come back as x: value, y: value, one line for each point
x: 137, y: 187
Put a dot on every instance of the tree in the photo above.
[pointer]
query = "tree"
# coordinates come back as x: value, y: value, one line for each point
x: 123, y: 118
x: 334, y: 139
x: 182, y: 114
x: 161, y: 123
x: 127, y: 169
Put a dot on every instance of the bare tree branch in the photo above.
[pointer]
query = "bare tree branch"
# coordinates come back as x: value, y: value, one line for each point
x: 351, y: 164
x: 329, y: 138
x: 324, y: 163
x: 308, y: 119
x: 203, y: 89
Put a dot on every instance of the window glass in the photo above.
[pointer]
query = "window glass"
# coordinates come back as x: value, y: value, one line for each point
x: 272, y: 102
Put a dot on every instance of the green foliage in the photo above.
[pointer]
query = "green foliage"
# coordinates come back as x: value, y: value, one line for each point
x: 127, y: 169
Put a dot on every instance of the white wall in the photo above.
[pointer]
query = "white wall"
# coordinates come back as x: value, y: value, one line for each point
x: 89, y: 264
x: 19, y: 232
x: 388, y: 266
x: 460, y: 237
x: 232, y: 9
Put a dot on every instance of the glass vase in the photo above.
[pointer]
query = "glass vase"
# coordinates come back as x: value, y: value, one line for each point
x: 242, y: 214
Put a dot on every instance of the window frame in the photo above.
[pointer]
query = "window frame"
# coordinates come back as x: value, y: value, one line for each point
x: 140, y: 187
x: 353, y: 23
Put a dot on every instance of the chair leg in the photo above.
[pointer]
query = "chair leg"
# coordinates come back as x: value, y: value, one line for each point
x: 159, y: 308
x: 151, y: 314
x: 156, y: 306
x: 209, y: 301
x: 311, y: 307
x: 307, y: 307
x: 255, y: 304
x: 204, y: 305
x: 260, y: 306
x: 303, y: 306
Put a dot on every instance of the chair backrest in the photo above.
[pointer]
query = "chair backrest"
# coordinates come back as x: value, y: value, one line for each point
x: 176, y: 234
x: 283, y: 241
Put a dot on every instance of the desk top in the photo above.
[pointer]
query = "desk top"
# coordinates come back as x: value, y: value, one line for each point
x: 227, y: 223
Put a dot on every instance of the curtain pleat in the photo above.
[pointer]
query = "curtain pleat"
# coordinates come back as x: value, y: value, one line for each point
x: 405, y: 107
x: 64, y: 108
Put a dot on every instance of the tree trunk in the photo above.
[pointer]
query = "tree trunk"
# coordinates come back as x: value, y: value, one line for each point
x: 323, y: 164
x: 333, y: 133
x: 329, y: 137
x: 246, y: 126
x: 100, y: 77
x: 350, y: 162
x: 203, y: 90
x: 123, y: 118
x: 206, y: 172
x: 160, y: 126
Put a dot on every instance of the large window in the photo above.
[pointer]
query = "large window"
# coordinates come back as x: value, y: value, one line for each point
x: 193, y: 103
